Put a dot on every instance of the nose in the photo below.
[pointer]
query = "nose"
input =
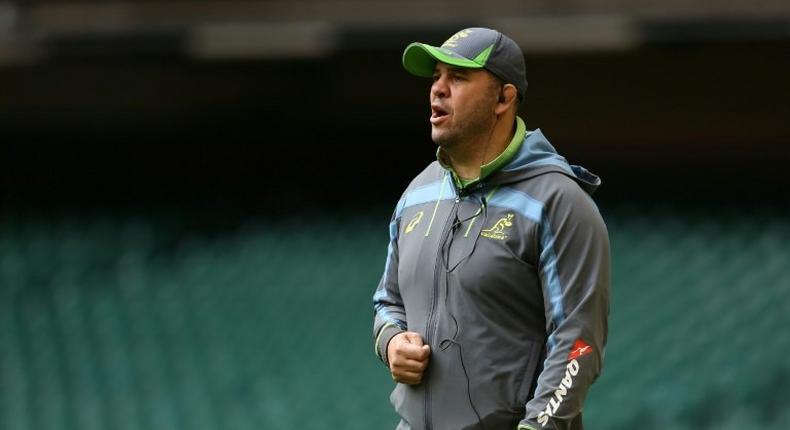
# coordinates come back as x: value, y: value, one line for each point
x: 439, y: 89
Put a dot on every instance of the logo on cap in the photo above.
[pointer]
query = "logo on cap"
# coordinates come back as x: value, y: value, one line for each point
x: 452, y: 42
x: 580, y: 348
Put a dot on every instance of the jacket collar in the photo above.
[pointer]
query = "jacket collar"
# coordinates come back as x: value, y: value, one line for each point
x: 497, y: 163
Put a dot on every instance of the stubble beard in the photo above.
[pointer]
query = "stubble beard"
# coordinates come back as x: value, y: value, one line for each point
x: 445, y: 139
x: 477, y: 124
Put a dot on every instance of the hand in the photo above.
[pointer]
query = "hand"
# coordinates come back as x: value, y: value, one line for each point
x: 407, y: 357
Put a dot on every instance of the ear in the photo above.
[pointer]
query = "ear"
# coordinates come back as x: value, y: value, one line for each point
x: 507, y: 98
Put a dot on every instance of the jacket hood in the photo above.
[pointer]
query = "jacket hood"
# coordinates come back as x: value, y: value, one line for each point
x: 536, y: 157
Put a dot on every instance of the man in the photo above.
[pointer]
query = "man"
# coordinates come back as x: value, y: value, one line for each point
x: 492, y: 310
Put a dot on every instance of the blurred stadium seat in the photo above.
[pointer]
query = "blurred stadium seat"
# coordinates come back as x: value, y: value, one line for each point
x: 135, y: 134
x: 128, y: 322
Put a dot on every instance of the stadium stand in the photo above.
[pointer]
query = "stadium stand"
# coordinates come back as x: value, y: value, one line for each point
x: 186, y: 232
x: 151, y: 322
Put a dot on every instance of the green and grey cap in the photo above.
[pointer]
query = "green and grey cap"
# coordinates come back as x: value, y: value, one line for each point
x: 473, y: 48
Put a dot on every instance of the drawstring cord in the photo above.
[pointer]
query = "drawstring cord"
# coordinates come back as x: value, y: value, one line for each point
x: 447, y: 342
x: 436, y: 206
x: 482, y: 207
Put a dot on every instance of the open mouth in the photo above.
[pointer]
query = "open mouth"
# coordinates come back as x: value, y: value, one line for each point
x: 438, y: 114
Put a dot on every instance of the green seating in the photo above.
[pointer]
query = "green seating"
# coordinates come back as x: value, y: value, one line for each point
x: 130, y: 322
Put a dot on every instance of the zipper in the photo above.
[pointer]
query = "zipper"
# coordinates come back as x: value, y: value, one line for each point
x: 432, y: 325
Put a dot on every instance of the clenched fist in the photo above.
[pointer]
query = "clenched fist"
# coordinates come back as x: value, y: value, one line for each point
x: 407, y: 357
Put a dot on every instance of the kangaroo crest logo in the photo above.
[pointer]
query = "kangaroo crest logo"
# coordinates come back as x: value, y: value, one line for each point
x: 452, y: 42
x: 414, y: 221
x: 497, y: 231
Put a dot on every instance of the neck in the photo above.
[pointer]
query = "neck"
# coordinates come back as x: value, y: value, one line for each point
x: 468, y: 157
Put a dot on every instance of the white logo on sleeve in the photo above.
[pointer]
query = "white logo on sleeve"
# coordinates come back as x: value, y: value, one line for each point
x: 571, y: 370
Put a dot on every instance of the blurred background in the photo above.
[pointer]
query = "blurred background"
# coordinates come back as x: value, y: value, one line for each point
x: 194, y: 199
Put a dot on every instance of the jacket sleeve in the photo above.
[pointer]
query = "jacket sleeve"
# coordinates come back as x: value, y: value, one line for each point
x: 389, y: 314
x: 574, y: 272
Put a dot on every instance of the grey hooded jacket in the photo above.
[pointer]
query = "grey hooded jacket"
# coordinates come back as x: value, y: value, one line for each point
x: 507, y: 280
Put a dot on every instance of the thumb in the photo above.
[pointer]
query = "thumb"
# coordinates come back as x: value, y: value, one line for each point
x: 414, y: 338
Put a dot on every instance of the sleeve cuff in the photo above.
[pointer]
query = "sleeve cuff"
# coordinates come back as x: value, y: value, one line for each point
x: 383, y: 340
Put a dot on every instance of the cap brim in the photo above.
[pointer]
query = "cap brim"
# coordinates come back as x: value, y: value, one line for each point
x: 420, y: 59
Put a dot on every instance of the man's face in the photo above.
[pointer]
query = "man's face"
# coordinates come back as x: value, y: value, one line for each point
x: 462, y: 104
